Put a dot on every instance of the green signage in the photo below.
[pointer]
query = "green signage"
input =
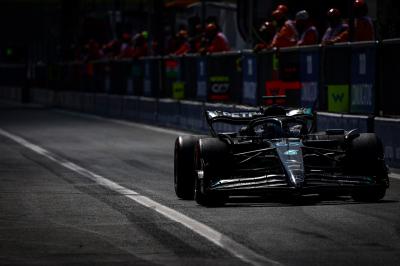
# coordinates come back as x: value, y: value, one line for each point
x: 338, y: 98
x: 178, y: 90
x: 219, y: 79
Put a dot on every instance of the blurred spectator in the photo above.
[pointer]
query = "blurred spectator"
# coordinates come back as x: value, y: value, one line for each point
x: 286, y: 34
x: 112, y: 49
x: 216, y: 41
x: 337, y: 31
x: 182, y: 43
x: 171, y: 44
x: 126, y: 50
x: 308, y: 34
x: 265, y: 33
x: 93, y: 52
x: 140, y: 47
x: 363, y: 26
x: 196, y: 40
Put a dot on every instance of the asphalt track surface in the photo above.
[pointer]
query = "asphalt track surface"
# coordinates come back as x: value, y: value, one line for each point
x: 82, y: 190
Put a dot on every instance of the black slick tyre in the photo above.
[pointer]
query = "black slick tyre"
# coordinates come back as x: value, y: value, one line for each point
x: 209, y: 156
x: 184, y: 172
x: 365, y: 156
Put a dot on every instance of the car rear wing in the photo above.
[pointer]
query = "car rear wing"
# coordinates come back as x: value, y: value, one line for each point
x: 243, y: 118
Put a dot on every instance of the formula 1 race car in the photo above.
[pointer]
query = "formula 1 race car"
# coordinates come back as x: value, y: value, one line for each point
x: 276, y: 150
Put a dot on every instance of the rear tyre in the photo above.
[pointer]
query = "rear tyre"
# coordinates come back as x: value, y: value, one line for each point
x: 207, y: 166
x: 184, y: 171
x: 365, y: 157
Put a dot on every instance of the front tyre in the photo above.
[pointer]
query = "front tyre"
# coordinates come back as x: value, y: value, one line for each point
x: 203, y: 175
x: 184, y: 173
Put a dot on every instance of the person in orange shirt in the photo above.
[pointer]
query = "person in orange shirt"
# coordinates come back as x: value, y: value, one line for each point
x: 216, y: 40
x: 286, y: 34
x: 363, y: 25
x: 337, y: 31
x: 307, y: 31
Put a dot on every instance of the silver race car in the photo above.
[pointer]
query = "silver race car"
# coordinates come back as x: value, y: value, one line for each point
x: 276, y: 150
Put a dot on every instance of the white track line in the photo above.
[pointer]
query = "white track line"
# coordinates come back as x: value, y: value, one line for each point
x: 394, y: 175
x: 236, y: 249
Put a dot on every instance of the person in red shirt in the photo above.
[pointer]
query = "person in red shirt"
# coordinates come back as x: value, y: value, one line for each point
x: 93, y: 50
x: 196, y: 40
x: 363, y: 25
x: 337, y: 31
x: 126, y: 46
x: 216, y: 40
x: 265, y: 33
x: 286, y: 34
x: 182, y: 43
x: 308, y: 34
x: 111, y: 49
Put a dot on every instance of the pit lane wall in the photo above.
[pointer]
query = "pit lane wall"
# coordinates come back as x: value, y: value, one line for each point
x: 350, y: 85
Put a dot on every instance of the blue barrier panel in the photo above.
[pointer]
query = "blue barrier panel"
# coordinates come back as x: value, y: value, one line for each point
x: 42, y: 96
x: 12, y: 74
x: 115, y: 103
x: 251, y: 94
x: 151, y: 81
x: 107, y: 78
x: 64, y: 78
x: 339, y: 121
x: 192, y: 116
x: 168, y: 112
x: 88, y: 102
x: 201, y: 93
x: 389, y: 89
x: 101, y: 104
x: 337, y: 77
x: 59, y: 99
x: 224, y: 77
x: 363, y: 61
x: 76, y: 79
x: 310, y: 75
x: 147, y: 108
x: 119, y: 72
x: 135, y: 78
x: 130, y: 107
x: 40, y: 76
x: 11, y: 93
x: 73, y: 100
x: 68, y: 77
x: 88, y: 77
x: 389, y: 131
x: 189, y: 75
x: 100, y: 67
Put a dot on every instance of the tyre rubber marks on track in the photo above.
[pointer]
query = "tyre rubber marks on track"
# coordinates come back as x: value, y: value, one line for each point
x: 236, y: 249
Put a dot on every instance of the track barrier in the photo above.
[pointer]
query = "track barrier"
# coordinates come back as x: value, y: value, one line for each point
x: 348, y: 84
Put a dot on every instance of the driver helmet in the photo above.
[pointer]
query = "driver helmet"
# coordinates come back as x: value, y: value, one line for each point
x: 272, y: 131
